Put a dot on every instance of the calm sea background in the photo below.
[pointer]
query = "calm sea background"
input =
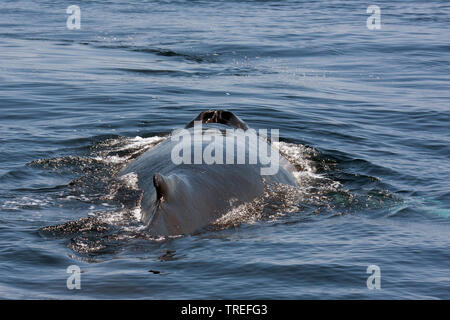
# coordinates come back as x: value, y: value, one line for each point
x: 372, y: 105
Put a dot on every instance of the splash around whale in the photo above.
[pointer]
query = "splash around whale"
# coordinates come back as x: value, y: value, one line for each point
x: 186, y: 183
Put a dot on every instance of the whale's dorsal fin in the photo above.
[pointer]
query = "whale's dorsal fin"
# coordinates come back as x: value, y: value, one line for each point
x: 219, y: 116
x: 161, y: 186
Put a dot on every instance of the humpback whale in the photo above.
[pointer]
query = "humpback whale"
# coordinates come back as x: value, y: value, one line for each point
x: 182, y: 195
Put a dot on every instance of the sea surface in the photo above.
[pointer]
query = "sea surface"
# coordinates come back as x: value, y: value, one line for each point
x: 363, y: 114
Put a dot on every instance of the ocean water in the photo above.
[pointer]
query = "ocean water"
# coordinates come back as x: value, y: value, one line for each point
x: 363, y: 114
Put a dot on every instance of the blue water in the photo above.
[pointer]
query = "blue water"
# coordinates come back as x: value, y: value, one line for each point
x: 364, y: 114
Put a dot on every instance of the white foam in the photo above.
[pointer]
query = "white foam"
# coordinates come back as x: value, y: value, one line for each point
x: 110, y: 159
x: 130, y: 180
x: 135, y: 145
x: 138, y: 141
x: 300, y: 156
x: 25, y: 202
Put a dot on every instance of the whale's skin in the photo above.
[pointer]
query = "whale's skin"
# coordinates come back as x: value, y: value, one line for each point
x: 195, y: 195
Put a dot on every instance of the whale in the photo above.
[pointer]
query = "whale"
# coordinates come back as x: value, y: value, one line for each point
x: 187, y: 182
